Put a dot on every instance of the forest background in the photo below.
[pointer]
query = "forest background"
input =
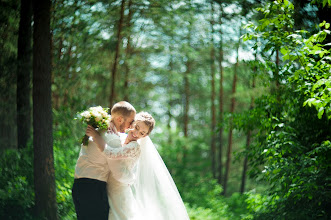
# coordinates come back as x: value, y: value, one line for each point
x: 240, y: 91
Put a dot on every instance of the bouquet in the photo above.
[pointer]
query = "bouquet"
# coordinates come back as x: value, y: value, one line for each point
x: 97, y: 117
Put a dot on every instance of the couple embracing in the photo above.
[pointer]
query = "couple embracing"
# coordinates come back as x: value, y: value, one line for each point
x: 122, y: 176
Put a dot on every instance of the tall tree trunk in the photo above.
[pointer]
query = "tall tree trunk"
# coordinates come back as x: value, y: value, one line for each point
x: 212, y: 97
x: 243, y: 177
x: 186, y: 97
x: 112, y: 96
x: 44, y: 176
x: 277, y: 78
x: 186, y: 108
x: 170, y: 99
x: 24, y: 66
x: 128, y: 53
x: 186, y: 103
x: 187, y: 89
x: 233, y: 104
x: 55, y: 94
x: 248, y: 141
x: 221, y: 102
x: 67, y: 73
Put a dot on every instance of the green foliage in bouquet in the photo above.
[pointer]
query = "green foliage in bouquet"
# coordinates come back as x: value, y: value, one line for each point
x: 97, y: 117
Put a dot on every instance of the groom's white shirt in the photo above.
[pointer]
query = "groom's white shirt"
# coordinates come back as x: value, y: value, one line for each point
x: 92, y: 163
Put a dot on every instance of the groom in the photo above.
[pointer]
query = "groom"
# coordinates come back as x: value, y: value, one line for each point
x: 89, y: 191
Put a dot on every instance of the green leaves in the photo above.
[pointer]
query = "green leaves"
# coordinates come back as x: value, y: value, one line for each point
x: 292, y: 144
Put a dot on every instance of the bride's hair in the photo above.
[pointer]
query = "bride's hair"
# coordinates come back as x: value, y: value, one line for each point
x: 122, y: 108
x: 147, y: 119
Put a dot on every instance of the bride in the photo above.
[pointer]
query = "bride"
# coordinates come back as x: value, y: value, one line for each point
x: 139, y: 185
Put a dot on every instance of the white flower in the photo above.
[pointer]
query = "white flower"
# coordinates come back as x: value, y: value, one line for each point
x: 86, y: 114
x: 94, y: 113
x: 97, y: 108
x: 104, y: 114
x: 98, y: 117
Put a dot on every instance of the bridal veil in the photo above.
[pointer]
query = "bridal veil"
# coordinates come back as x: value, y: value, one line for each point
x: 155, y: 192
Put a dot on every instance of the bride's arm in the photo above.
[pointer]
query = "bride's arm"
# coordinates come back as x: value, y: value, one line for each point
x: 130, y: 150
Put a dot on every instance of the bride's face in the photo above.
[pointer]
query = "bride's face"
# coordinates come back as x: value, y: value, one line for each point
x: 140, y: 130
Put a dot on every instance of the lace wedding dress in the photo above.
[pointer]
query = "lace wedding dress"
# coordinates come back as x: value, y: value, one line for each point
x: 139, y: 185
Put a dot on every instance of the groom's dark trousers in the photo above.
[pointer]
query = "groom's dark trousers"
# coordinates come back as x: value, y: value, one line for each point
x: 90, y: 199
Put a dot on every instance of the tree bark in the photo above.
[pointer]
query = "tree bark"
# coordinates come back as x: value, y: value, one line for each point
x: 24, y: 66
x: 128, y: 53
x: 186, y: 97
x: 233, y: 103
x: 248, y: 143
x: 277, y: 78
x: 248, y: 137
x: 170, y: 99
x: 112, y: 96
x: 221, y: 102
x: 44, y: 176
x: 243, y: 177
x: 212, y: 97
x: 187, y: 85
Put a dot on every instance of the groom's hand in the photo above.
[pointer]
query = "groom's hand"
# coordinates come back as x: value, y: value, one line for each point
x: 112, y: 128
x: 90, y: 131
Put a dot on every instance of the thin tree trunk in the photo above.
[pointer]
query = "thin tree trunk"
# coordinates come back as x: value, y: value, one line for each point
x: 186, y: 105
x: 187, y: 91
x: 170, y: 86
x: 248, y: 143
x: 55, y: 94
x: 221, y: 103
x: 233, y: 103
x: 243, y: 178
x: 212, y: 97
x: 44, y: 176
x: 112, y: 96
x: 128, y: 53
x: 186, y: 97
x: 277, y: 78
x: 67, y: 73
x: 24, y: 67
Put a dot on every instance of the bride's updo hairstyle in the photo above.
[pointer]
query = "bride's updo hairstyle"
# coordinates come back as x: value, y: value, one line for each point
x: 147, y: 119
x: 122, y: 108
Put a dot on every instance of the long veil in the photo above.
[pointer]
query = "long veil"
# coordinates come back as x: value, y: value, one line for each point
x: 155, y: 192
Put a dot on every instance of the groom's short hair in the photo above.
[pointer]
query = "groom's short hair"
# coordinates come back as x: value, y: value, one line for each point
x: 122, y: 108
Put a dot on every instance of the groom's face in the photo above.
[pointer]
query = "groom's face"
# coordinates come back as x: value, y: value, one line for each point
x: 127, y: 122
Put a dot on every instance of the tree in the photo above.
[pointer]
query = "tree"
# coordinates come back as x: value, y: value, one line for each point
x: 248, y: 138
x: 212, y: 96
x: 24, y: 65
x: 293, y: 129
x: 112, y: 96
x: 44, y: 176
x: 232, y: 109
x: 128, y: 52
x: 9, y: 23
x: 221, y: 99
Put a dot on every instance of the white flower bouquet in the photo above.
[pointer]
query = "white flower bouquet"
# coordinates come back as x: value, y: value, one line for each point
x: 97, y: 117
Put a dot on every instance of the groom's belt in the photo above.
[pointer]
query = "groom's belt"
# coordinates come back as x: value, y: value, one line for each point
x: 88, y: 180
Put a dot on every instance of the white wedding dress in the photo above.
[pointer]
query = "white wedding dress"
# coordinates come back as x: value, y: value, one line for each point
x: 139, y: 185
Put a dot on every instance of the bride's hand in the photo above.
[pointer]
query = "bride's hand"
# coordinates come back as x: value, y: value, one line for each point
x: 90, y: 131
